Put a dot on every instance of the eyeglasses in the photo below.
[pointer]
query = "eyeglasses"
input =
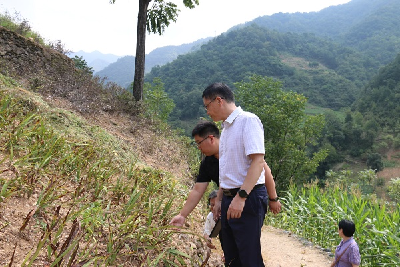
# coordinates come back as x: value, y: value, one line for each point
x: 206, y: 106
x: 199, y: 143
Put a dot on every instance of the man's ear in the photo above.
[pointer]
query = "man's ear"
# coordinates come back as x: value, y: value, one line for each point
x: 212, y: 138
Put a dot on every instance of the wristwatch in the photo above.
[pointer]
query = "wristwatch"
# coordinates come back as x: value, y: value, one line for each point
x: 274, y: 199
x: 242, y: 193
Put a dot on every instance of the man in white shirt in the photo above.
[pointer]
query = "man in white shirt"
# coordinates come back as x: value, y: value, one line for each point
x: 241, y: 176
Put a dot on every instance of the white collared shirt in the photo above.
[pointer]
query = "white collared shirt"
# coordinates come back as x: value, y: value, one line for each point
x: 242, y: 135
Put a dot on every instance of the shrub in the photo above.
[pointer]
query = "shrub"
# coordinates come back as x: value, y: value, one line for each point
x: 374, y: 162
x: 394, y: 189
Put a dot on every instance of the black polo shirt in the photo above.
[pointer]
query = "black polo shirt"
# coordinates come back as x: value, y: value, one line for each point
x: 209, y: 170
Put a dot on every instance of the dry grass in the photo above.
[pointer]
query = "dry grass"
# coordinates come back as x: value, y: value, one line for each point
x: 44, y: 197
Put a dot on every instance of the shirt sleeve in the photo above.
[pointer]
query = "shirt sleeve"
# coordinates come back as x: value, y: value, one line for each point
x: 203, y: 176
x: 355, y: 257
x: 253, y: 136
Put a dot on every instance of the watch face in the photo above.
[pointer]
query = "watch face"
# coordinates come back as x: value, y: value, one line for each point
x: 243, y: 193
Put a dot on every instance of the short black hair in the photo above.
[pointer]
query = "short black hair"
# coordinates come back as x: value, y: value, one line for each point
x: 204, y: 128
x: 212, y: 195
x: 219, y: 89
x: 348, y: 227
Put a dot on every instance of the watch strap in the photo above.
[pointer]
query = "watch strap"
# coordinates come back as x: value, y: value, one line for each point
x: 243, y: 194
x: 274, y: 199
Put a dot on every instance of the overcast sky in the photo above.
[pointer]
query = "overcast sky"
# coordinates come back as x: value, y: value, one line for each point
x: 91, y: 25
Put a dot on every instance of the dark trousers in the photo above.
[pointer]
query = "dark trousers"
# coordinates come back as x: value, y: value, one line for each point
x: 242, y: 246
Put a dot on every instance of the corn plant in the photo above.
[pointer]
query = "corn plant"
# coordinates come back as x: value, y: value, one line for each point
x: 313, y: 213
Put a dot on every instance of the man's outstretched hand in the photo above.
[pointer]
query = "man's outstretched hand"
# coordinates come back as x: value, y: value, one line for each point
x: 178, y: 220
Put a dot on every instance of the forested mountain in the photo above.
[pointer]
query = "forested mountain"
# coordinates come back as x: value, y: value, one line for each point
x: 370, y: 26
x: 121, y: 71
x: 329, y: 56
x: 328, y: 74
x: 381, y: 97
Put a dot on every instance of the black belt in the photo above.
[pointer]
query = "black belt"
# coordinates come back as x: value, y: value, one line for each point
x: 232, y: 192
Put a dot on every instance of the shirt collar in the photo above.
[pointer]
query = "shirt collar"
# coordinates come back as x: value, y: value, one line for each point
x: 233, y: 116
x: 345, y: 242
x: 348, y: 240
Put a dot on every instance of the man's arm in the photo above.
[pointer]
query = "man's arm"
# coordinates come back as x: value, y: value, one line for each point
x: 257, y: 164
x: 217, y: 206
x: 193, y: 199
x: 274, y: 206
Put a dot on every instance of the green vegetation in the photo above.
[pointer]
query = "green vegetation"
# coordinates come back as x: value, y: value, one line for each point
x: 367, y: 179
x: 81, y: 64
x: 90, y: 190
x: 289, y: 133
x: 233, y: 56
x: 333, y: 74
x: 315, y: 110
x: 394, y: 189
x: 6, y: 81
x: 313, y: 213
x: 153, y: 19
x: 158, y: 104
x: 19, y: 25
x: 95, y: 202
x: 349, y: 138
x: 368, y: 26
x: 381, y: 97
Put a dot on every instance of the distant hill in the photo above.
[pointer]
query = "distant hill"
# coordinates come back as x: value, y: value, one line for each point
x: 370, y: 26
x: 329, y: 56
x: 96, y: 59
x: 328, y: 74
x: 122, y: 71
x: 162, y: 55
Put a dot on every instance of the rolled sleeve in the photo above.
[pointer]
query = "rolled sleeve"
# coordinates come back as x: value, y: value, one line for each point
x: 253, y: 136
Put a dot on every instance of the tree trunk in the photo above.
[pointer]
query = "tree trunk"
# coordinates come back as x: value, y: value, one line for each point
x: 138, y: 81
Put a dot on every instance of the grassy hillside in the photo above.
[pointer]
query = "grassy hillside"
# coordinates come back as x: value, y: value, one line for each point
x: 83, y: 178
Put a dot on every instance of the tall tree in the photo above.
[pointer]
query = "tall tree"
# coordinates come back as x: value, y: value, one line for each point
x: 288, y: 131
x: 154, y: 20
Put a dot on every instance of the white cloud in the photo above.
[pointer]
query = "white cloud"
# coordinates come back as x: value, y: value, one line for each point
x: 98, y: 25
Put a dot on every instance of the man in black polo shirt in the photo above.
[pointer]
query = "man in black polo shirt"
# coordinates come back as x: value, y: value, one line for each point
x: 206, y: 135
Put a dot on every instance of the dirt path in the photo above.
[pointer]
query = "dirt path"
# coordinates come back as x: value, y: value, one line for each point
x: 280, y: 249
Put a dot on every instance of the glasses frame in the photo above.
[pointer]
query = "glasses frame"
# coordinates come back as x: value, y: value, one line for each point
x: 206, y: 106
x: 199, y: 143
